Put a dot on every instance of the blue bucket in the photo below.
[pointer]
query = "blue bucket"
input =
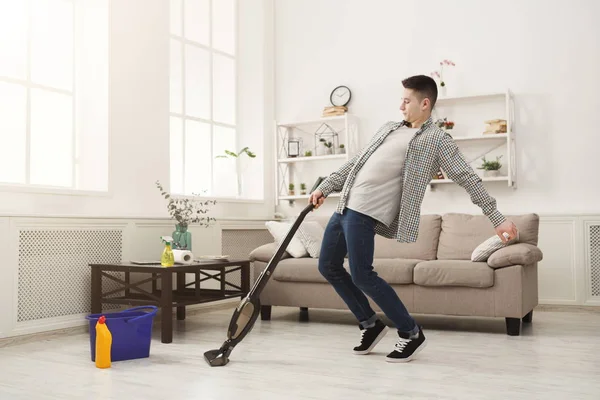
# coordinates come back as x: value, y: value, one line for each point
x: 131, y: 332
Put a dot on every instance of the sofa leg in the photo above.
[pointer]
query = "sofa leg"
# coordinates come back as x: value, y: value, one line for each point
x: 303, y: 314
x: 527, y: 318
x: 513, y: 326
x: 265, y: 313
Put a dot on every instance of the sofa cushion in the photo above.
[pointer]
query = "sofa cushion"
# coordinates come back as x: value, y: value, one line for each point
x: 516, y: 254
x: 394, y: 271
x: 265, y: 252
x: 454, y: 273
x: 425, y: 248
x: 462, y: 233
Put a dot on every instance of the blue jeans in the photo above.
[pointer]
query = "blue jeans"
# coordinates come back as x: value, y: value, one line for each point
x: 354, y: 233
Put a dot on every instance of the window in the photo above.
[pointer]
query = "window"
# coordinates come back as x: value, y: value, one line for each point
x: 54, y: 93
x: 203, y: 95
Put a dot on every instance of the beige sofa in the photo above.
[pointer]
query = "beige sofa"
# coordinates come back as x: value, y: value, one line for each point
x: 434, y: 275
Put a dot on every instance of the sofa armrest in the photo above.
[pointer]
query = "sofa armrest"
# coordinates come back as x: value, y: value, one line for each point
x: 265, y: 252
x: 515, y: 254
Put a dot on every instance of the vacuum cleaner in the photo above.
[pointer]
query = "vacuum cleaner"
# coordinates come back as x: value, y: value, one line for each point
x: 246, y: 313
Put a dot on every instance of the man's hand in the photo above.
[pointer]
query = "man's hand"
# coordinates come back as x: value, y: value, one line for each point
x: 316, y: 198
x: 509, y: 228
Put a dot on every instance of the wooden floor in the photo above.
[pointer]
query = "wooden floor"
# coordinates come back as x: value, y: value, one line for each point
x: 558, y: 356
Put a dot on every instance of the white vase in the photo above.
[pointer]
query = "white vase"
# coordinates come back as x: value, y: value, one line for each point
x: 443, y: 91
x: 491, y: 174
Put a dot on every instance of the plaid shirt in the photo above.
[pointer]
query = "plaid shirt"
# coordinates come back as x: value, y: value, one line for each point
x: 430, y: 149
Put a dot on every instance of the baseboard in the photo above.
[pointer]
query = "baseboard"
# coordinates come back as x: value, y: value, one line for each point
x: 567, y: 308
x: 46, y: 335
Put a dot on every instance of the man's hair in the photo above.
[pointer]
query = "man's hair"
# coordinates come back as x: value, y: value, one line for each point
x: 424, y: 85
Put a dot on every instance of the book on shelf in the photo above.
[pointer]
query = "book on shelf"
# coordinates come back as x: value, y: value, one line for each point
x: 495, y: 126
x: 334, y: 111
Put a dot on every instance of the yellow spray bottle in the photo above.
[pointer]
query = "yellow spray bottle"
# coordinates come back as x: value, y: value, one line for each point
x: 168, y: 258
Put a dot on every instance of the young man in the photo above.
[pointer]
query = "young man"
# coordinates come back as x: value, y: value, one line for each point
x: 382, y: 188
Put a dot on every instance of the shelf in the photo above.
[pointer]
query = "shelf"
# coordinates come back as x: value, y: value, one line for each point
x: 476, y: 96
x: 315, y: 121
x: 304, y: 196
x: 495, y: 136
x: 311, y: 158
x: 484, y: 179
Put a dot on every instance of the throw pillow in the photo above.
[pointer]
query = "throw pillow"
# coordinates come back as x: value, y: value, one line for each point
x: 278, y: 230
x: 487, y: 248
x: 311, y: 235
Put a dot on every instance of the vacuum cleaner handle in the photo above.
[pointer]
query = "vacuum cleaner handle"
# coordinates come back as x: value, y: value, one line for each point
x: 266, y: 274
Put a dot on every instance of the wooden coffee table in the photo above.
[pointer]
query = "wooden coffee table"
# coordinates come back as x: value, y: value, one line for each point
x: 186, y: 293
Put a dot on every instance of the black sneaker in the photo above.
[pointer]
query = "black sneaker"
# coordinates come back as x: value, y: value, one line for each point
x: 370, y: 337
x: 406, y: 348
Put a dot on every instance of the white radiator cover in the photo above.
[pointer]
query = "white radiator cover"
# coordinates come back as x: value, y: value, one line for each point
x: 54, y: 272
x: 594, y: 259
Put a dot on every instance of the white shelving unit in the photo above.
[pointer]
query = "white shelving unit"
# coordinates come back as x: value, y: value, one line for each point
x: 307, y: 169
x: 479, y: 144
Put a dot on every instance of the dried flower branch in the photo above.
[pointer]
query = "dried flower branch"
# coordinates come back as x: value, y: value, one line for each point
x: 187, y: 211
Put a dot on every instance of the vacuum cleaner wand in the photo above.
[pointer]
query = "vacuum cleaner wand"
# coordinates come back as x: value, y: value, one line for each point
x: 245, y: 314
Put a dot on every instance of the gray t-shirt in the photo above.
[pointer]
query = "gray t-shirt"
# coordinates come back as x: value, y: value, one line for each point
x: 377, y: 189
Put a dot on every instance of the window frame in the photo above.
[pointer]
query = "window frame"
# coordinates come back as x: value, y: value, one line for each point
x: 29, y: 85
x: 183, y: 117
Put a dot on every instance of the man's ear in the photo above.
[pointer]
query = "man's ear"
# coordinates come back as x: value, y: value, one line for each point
x: 426, y: 103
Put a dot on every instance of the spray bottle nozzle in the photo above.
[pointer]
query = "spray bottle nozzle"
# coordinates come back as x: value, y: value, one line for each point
x: 167, y: 239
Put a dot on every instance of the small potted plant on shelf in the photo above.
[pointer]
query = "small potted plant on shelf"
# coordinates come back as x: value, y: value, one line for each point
x: 291, y: 191
x: 303, y: 188
x: 491, y: 168
x: 342, y: 149
x: 307, y: 153
x: 444, y: 124
x: 328, y: 146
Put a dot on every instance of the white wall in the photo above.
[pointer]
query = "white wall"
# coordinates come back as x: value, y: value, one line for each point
x: 543, y: 50
x: 139, y: 117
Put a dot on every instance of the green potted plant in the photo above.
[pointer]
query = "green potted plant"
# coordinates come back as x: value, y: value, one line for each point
x: 491, y: 168
x: 444, y: 124
x: 342, y: 149
x: 291, y: 191
x: 328, y: 146
x: 186, y: 211
x: 307, y: 153
x: 303, y: 188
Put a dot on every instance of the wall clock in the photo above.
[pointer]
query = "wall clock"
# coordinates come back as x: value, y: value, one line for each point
x: 340, y: 96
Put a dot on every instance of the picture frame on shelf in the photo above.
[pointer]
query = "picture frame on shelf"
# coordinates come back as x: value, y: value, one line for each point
x: 293, y: 147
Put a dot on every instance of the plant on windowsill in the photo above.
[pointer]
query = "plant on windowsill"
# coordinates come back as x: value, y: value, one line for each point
x: 186, y: 211
x: 233, y: 155
x: 491, y: 168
